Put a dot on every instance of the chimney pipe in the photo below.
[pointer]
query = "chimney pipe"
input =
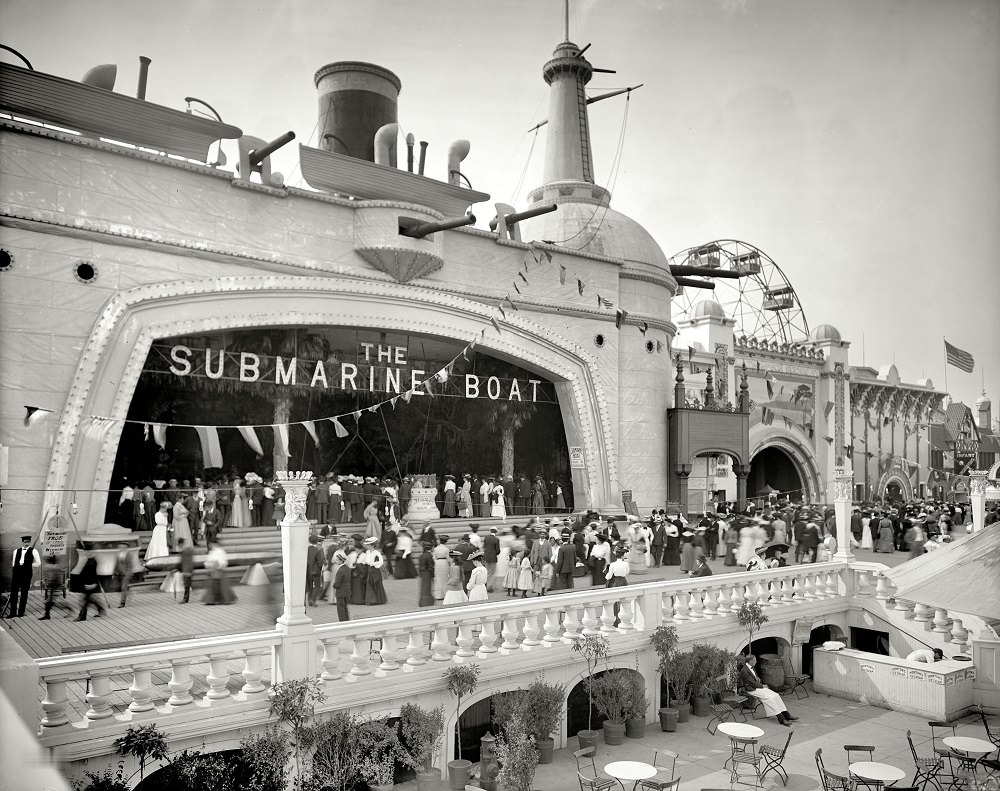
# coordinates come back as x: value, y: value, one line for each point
x: 143, y: 74
x: 423, y: 157
x: 409, y: 151
x: 457, y: 152
x: 385, y: 144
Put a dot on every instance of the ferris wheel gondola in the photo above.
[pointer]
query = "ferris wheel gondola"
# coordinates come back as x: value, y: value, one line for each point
x: 751, y: 288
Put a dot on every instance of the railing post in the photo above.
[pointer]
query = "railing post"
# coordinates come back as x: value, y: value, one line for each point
x: 55, y: 703
x: 977, y: 495
x: 218, y: 677
x: 843, y: 483
x: 141, y: 689
x: 180, y: 682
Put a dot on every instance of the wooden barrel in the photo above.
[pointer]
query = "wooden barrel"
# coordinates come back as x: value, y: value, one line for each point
x: 772, y: 672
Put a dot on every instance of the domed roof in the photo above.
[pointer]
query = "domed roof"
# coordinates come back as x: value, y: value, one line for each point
x: 825, y: 332
x: 707, y: 307
x: 983, y: 402
x: 593, y: 228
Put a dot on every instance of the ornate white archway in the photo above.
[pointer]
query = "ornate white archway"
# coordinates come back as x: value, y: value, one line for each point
x: 890, y: 476
x: 113, y: 358
x: 796, y: 448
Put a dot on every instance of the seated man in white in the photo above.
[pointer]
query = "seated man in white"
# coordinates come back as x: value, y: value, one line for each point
x: 751, y: 684
x: 926, y: 655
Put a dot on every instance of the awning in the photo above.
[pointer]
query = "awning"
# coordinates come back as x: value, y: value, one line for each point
x: 963, y: 576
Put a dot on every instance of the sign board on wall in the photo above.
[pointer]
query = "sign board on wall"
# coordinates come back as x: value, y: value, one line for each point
x: 576, y: 457
x: 801, y: 631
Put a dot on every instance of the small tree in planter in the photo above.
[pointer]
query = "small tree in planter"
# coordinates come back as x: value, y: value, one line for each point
x: 610, y: 693
x: 636, y: 704
x: 422, y: 731
x: 293, y: 702
x: 751, y: 617
x: 518, y: 757
x: 676, y: 667
x: 593, y: 648
x: 710, y: 663
x: 461, y: 680
x: 143, y: 742
x: 542, y: 714
x: 337, y: 755
x: 379, y: 747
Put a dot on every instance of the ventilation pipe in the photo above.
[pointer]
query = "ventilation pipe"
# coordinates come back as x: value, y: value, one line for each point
x: 457, y: 152
x: 423, y: 157
x: 144, y: 62
x: 385, y: 144
x: 409, y: 151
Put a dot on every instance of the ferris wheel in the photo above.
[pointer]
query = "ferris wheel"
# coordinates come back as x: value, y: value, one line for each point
x: 750, y: 287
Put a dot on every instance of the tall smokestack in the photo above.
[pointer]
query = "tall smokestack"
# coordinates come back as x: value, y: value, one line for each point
x: 144, y: 62
x: 567, y: 150
x: 355, y: 100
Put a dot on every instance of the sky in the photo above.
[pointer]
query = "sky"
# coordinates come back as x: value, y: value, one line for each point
x: 855, y: 142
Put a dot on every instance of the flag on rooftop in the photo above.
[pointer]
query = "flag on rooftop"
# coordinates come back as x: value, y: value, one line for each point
x: 958, y: 358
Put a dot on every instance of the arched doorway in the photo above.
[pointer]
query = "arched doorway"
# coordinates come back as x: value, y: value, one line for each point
x: 818, y: 636
x: 772, y: 470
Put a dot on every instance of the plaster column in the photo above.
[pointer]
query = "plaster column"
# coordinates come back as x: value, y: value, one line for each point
x: 843, y: 483
x: 742, y: 472
x: 295, y: 657
x: 977, y: 494
x: 683, y: 471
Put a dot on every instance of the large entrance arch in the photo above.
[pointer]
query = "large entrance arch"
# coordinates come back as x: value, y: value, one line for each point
x: 784, y: 462
x: 108, y: 373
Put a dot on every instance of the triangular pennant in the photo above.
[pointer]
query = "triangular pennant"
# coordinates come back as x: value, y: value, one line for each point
x: 145, y: 431
x: 516, y: 288
x: 339, y: 427
x: 357, y: 416
x: 562, y: 275
x: 373, y: 408
x: 407, y: 396
x: 496, y: 326
x: 393, y: 401
x: 160, y: 435
x: 770, y: 388
x: 211, y: 451
x: 827, y: 409
x: 620, y: 315
x: 579, y: 286
x: 310, y: 427
x: 521, y: 275
x: 35, y: 414
x: 442, y: 375
x: 690, y: 353
x: 472, y: 345
x: 281, y: 440
x: 659, y: 346
x: 248, y: 434
x: 643, y: 326
x: 502, y: 311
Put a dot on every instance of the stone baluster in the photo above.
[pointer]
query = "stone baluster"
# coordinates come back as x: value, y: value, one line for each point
x: 441, y: 645
x: 465, y: 642
x: 787, y: 590
x: 608, y: 617
x: 626, y: 615
x: 833, y: 583
x: 722, y: 605
x: 415, y: 649
x: 388, y: 652
x: 884, y: 589
x: 218, y: 677
x: 737, y: 598
x: 905, y: 606
x: 696, y: 609
x: 180, y: 682
x: 808, y: 588
x: 590, y: 621
x: 552, y: 627
x: 141, y: 689
x: 750, y: 593
x: 487, y: 639
x: 959, y: 635
x: 922, y: 613
x: 864, y: 583
x: 509, y: 633
x: 531, y: 632
x: 819, y: 586
x: 359, y: 660
x: 99, y: 696
x: 330, y: 660
x: 711, y: 603
x: 942, y: 623
x: 763, y: 593
x: 254, y: 671
x: 55, y: 703
x: 681, y: 612
x: 571, y: 626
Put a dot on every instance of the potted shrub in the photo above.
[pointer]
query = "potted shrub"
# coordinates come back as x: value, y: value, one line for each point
x: 751, y: 617
x: 336, y: 753
x: 593, y: 648
x: 542, y: 714
x: 636, y: 705
x: 293, y: 702
x: 676, y: 668
x: 710, y: 662
x: 379, y: 747
x: 518, y: 757
x: 610, y: 692
x: 461, y: 680
x: 422, y: 730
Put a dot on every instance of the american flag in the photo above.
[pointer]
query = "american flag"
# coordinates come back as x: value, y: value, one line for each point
x: 958, y: 358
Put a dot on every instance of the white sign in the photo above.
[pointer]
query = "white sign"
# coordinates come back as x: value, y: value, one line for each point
x: 576, y: 458
x: 55, y: 542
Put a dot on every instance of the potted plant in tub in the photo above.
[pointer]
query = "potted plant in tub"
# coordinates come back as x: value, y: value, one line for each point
x: 610, y: 693
x: 636, y: 704
x: 422, y: 730
x: 710, y: 662
x: 676, y: 668
x: 379, y: 747
x: 518, y: 757
x: 461, y: 680
x: 593, y: 648
x: 542, y: 715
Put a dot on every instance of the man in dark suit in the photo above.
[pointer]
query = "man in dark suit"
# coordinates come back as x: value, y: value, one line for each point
x: 342, y: 589
x: 523, y: 496
x: 357, y: 498
x: 701, y: 567
x: 405, y: 490
x: 212, y: 522
x: 26, y: 560
x: 659, y: 540
x: 464, y: 549
x: 750, y: 683
x: 565, y: 562
x: 255, y: 494
x: 530, y: 534
x: 491, y: 552
x: 314, y: 570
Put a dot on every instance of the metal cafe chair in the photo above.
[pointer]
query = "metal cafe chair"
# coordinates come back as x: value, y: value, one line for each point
x: 941, y: 730
x: 831, y: 781
x: 723, y: 709
x: 927, y: 768
x: 663, y: 780
x: 992, y: 733
x: 795, y: 681
x: 747, y: 756
x: 586, y: 772
x: 867, y: 754
x: 774, y: 757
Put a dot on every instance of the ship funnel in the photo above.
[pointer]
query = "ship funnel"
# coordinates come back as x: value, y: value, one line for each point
x: 356, y: 100
x: 143, y: 74
x: 385, y: 145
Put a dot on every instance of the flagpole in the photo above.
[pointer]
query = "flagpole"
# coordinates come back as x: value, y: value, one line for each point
x: 945, y: 365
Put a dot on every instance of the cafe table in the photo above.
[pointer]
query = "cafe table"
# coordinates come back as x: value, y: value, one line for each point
x: 968, y: 749
x: 630, y: 770
x: 887, y: 774
x: 740, y: 734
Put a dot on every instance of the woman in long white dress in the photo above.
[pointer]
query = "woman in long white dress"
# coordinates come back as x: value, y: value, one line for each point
x: 745, y: 551
x: 499, y: 507
x: 239, y: 515
x: 442, y: 564
x: 866, y: 533
x: 158, y: 547
x: 503, y: 562
x: 455, y: 594
x: 181, y: 527
x: 478, y: 578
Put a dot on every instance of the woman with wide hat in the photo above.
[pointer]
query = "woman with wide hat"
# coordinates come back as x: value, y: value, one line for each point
x: 404, y: 555
x: 455, y: 594
x: 478, y: 578
x: 449, y: 509
x: 425, y: 566
x: 600, y: 557
x: 373, y: 561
